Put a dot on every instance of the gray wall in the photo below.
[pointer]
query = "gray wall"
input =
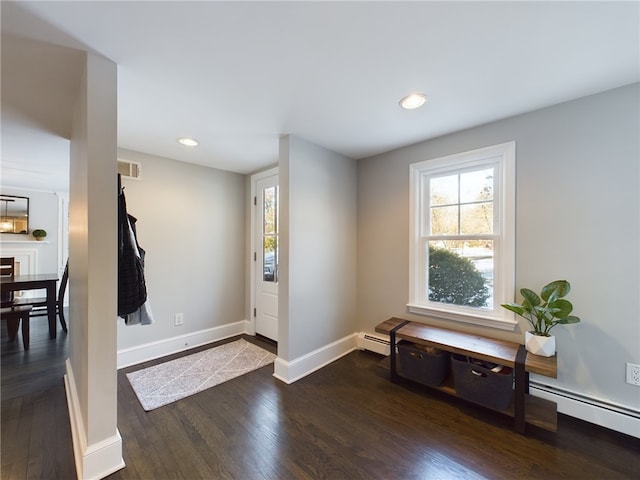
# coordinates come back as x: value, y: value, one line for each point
x: 191, y: 223
x: 577, y: 218
x: 318, y: 247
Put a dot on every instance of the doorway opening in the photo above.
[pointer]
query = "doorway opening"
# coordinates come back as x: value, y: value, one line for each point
x: 265, y: 243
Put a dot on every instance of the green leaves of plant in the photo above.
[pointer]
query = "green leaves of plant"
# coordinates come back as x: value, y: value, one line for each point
x: 515, y: 308
x: 569, y: 319
x: 560, y: 308
x: 530, y: 297
x: 546, y: 310
x: 560, y: 288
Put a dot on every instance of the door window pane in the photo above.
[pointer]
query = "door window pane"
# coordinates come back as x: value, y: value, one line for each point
x: 269, y: 210
x: 270, y: 234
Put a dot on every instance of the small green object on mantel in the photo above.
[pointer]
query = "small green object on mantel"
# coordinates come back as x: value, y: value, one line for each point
x: 39, y: 234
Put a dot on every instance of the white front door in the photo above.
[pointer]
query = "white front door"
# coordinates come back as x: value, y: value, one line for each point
x: 266, y: 257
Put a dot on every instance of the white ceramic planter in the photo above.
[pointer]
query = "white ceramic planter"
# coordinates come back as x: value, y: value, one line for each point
x: 539, y: 345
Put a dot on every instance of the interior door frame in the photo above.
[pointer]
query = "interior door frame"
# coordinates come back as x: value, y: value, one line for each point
x: 252, y: 203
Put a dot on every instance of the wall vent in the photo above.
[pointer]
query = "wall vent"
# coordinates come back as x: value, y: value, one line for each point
x: 374, y: 342
x: 129, y: 169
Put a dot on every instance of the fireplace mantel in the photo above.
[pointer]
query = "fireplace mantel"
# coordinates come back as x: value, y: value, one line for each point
x: 25, y: 255
x: 23, y: 242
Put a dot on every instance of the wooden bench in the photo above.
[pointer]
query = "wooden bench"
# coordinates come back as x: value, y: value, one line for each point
x: 525, y: 408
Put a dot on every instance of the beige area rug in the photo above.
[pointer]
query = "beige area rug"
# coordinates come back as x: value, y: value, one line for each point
x: 170, y: 381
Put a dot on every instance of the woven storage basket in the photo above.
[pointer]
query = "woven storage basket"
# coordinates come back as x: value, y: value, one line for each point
x: 422, y: 366
x: 477, y: 383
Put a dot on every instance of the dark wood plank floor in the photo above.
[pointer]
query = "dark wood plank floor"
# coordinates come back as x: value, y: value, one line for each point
x: 34, y: 370
x: 346, y: 421
x: 36, y: 433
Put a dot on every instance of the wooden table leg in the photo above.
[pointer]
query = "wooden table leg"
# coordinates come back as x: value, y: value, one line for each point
x: 25, y: 329
x: 13, y: 323
x: 51, y: 309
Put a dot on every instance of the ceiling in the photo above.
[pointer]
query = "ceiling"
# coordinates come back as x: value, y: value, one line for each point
x: 237, y: 75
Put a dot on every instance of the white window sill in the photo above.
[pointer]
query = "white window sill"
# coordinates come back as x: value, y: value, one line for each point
x: 492, y: 322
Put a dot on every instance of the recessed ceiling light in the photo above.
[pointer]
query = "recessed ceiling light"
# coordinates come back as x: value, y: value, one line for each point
x: 412, y: 101
x: 189, y: 142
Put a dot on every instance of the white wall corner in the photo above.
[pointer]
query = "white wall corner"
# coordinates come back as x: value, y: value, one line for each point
x: 92, y: 461
x: 169, y: 346
x: 289, y: 372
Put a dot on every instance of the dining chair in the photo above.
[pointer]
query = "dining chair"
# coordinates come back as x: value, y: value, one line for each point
x: 7, y: 269
x: 11, y: 312
x: 7, y: 265
x: 39, y: 304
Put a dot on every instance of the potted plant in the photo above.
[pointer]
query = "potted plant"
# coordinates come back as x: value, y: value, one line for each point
x: 544, y: 312
x: 39, y: 234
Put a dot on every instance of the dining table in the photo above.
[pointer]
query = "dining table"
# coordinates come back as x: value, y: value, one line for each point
x: 17, y: 283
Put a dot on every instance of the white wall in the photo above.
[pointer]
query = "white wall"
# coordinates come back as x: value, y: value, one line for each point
x: 44, y: 213
x: 577, y: 218
x: 318, y: 248
x: 191, y: 223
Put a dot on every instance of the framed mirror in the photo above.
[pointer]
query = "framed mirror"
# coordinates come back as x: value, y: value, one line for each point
x: 14, y: 214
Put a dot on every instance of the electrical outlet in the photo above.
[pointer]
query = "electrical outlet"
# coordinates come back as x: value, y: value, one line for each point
x: 178, y: 319
x: 633, y: 374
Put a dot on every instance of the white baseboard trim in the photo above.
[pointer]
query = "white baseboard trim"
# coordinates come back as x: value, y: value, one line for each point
x: 169, y: 346
x: 608, y: 415
x: 289, y: 372
x: 92, y: 461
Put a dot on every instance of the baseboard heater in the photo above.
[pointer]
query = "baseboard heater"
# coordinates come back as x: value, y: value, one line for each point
x: 606, y: 414
x: 374, y: 343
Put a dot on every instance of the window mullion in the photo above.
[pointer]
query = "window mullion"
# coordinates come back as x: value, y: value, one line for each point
x: 459, y: 213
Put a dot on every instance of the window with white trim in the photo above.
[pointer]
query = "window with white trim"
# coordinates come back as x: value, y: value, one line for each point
x: 462, y: 252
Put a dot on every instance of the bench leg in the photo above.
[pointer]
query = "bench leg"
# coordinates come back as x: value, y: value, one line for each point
x: 521, y: 389
x: 394, y: 357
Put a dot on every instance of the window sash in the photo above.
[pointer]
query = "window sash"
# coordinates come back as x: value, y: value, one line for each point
x: 502, y: 159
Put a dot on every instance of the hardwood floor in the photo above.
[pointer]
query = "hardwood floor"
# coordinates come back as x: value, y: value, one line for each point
x: 34, y: 370
x: 346, y: 421
x: 36, y: 434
